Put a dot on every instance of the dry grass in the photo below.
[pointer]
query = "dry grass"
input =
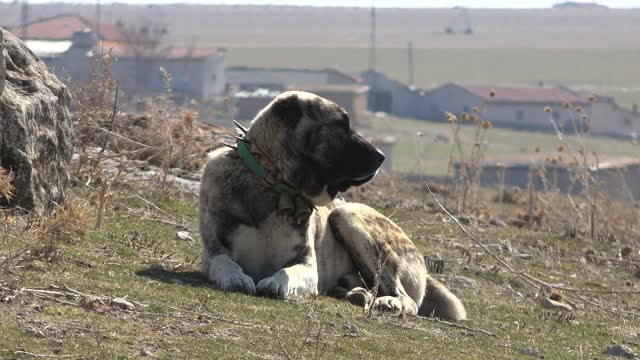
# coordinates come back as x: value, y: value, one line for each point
x: 165, y: 135
x: 6, y: 188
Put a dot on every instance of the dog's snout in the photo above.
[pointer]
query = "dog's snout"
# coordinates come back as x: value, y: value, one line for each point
x: 379, y: 157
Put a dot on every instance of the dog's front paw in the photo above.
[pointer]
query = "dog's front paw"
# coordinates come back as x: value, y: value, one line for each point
x: 273, y: 286
x: 388, y: 304
x: 239, y: 282
x: 285, y: 285
x: 359, y: 297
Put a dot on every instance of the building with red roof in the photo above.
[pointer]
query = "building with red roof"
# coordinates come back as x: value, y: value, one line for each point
x: 69, y: 43
x: 532, y: 107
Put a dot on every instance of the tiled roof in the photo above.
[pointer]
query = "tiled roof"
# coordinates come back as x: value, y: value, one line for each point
x: 62, y: 27
x: 523, y: 94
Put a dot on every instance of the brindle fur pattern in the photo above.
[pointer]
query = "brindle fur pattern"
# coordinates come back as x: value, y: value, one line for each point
x: 250, y: 245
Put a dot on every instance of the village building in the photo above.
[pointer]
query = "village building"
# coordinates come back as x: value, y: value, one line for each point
x: 252, y: 88
x: 523, y: 107
x: 244, y: 78
x: 516, y: 106
x: 70, y: 44
x: 393, y: 97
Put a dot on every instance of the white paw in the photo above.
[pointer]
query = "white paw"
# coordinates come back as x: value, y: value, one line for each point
x: 388, y: 303
x: 283, y: 286
x: 239, y: 282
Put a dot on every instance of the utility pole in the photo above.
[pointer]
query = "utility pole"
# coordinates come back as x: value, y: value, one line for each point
x: 410, y: 63
x: 98, y: 36
x: 24, y: 19
x: 372, y: 45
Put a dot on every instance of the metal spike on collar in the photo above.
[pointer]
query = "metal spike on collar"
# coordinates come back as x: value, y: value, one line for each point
x: 242, y: 128
x: 229, y: 146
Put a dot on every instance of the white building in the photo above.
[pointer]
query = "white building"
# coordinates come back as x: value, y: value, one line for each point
x: 523, y: 107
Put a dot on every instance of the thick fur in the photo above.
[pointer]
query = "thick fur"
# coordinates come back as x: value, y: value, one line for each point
x: 251, y: 245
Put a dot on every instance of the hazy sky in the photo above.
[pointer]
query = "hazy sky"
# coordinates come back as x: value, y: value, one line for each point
x: 381, y: 3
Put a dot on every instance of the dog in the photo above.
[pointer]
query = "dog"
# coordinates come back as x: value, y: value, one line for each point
x: 271, y: 224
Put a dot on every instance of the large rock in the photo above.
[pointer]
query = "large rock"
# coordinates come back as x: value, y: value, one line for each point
x: 35, y: 128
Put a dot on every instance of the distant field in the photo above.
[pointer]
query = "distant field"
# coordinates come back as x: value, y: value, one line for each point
x: 422, y: 155
x: 610, y: 72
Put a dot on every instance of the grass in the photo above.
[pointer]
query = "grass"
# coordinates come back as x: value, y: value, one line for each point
x: 182, y: 316
x: 503, y: 144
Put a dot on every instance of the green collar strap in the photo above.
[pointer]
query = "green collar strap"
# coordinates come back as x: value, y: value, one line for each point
x: 255, y: 167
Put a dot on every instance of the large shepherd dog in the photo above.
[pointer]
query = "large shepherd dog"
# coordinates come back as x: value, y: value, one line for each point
x: 270, y: 225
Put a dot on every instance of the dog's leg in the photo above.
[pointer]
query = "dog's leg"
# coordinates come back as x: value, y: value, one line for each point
x: 384, y: 256
x: 226, y: 274
x: 373, y: 240
x: 293, y: 281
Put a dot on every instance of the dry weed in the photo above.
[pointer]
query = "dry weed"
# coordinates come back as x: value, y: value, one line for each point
x: 67, y: 225
x: 6, y: 188
x: 465, y: 167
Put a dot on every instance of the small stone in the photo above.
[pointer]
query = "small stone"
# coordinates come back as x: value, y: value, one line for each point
x: 56, y: 343
x: 530, y: 352
x: 184, y: 236
x: 145, y: 352
x: 123, y: 304
x: 331, y: 324
x: 352, y: 328
x: 497, y: 222
x: 622, y: 351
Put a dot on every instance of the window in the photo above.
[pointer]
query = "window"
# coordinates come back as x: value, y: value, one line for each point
x: 555, y: 115
x: 520, y: 115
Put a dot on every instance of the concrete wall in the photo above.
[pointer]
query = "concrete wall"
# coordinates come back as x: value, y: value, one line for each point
x: 619, y: 183
x: 214, y: 77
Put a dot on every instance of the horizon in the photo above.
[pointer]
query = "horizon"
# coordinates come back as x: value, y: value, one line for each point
x: 487, y: 4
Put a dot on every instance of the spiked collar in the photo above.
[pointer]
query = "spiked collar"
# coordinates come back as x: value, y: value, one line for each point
x: 292, y: 200
x: 243, y: 145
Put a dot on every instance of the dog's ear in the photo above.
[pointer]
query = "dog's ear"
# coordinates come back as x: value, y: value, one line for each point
x: 288, y: 110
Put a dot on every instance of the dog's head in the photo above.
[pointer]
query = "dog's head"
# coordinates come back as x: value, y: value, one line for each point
x: 312, y: 145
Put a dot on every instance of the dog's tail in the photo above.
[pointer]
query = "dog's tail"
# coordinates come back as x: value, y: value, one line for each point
x: 440, y: 302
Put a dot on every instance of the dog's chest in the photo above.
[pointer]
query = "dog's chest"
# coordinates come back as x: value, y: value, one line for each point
x: 267, y: 248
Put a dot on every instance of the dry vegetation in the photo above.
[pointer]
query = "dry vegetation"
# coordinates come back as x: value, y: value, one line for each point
x: 6, y: 188
x: 109, y: 276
